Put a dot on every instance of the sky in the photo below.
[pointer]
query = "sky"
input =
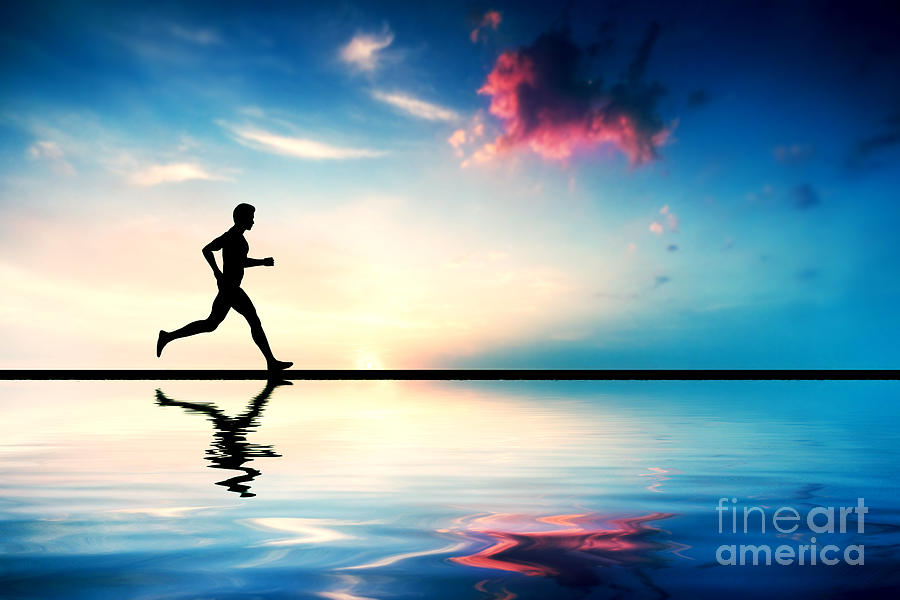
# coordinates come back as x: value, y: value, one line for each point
x: 456, y: 185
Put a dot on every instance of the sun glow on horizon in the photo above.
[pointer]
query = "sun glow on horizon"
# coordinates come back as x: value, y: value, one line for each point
x: 368, y: 361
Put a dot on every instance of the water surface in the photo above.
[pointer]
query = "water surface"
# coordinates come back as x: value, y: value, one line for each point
x: 352, y: 490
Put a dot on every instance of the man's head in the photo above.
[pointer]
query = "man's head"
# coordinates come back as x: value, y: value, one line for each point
x: 243, y: 215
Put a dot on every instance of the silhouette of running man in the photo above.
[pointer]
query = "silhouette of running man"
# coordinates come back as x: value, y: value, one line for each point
x: 234, y: 259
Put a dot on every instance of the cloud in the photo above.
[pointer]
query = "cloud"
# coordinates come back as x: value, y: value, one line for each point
x: 468, y: 140
x: 661, y: 280
x: 172, y: 173
x: 94, y: 146
x: 82, y: 138
x: 253, y: 111
x: 672, y: 247
x: 807, y: 274
x: 794, y: 154
x: 491, y: 19
x: 766, y: 192
x: 870, y: 144
x: 458, y: 138
x: 416, y: 107
x: 298, y: 147
x: 362, y: 52
x: 698, y: 98
x: 201, y: 37
x: 805, y: 197
x: 545, y: 105
x: 862, y: 153
x: 671, y: 221
x: 484, y: 154
x: 45, y: 149
x: 50, y: 151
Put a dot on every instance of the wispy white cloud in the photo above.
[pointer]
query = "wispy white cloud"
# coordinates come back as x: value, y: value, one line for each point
x: 64, y: 138
x: 45, y: 149
x: 173, y: 173
x: 253, y: 111
x: 201, y: 37
x: 362, y: 52
x: 416, y: 107
x: 298, y: 147
x: 50, y: 151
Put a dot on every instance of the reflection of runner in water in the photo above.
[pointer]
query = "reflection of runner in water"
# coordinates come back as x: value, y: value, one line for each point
x: 234, y: 258
x: 230, y: 449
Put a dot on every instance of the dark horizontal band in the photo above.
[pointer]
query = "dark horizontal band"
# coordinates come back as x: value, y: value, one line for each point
x: 462, y: 374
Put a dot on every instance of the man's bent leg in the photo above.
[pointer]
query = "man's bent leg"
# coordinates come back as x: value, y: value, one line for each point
x: 220, y: 308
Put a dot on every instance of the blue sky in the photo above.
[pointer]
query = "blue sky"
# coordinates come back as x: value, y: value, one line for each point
x: 732, y: 203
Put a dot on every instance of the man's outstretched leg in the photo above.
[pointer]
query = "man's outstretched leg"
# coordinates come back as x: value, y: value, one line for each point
x: 220, y: 308
x: 243, y: 305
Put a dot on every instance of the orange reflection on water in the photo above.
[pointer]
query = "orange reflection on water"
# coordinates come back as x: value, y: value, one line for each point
x: 565, y: 547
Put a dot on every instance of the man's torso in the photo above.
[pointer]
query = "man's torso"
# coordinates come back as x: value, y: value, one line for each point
x: 234, y: 255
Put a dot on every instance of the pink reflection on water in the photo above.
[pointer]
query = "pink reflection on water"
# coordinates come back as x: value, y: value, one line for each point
x: 567, y: 548
x: 501, y: 594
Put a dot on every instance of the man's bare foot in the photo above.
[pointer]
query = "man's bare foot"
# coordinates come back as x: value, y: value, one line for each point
x: 161, y: 342
x: 279, y: 365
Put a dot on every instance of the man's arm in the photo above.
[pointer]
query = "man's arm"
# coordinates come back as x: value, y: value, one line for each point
x: 260, y: 262
x: 208, y: 250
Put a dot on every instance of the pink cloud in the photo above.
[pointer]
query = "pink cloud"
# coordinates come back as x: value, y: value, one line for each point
x: 458, y: 138
x: 492, y: 19
x: 482, y: 155
x: 544, y: 105
x: 671, y: 218
x: 466, y: 141
x: 668, y: 222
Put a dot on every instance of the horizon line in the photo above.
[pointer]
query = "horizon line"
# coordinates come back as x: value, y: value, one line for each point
x: 454, y: 374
